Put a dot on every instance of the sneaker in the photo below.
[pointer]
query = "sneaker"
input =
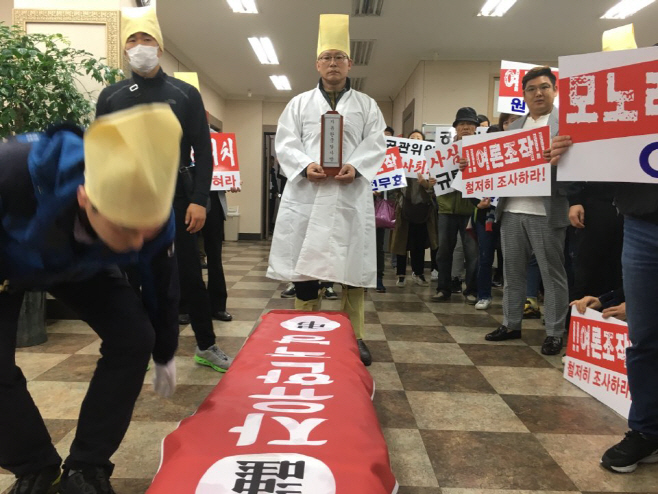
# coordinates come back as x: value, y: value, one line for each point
x: 456, y: 285
x: 552, y: 345
x: 380, y: 286
x: 435, y: 275
x: 483, y: 304
x: 531, y: 311
x: 45, y: 481
x: 441, y: 296
x: 90, y: 480
x: 634, y: 449
x: 330, y: 294
x: 497, y: 282
x: 419, y: 280
x: 400, y: 282
x: 213, y: 357
x: 503, y: 333
x: 289, y: 292
x: 183, y: 319
x: 470, y: 299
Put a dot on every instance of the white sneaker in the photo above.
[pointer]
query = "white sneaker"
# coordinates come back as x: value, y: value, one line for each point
x: 213, y: 357
x: 483, y: 304
x: 435, y: 275
x: 400, y: 282
x: 419, y: 280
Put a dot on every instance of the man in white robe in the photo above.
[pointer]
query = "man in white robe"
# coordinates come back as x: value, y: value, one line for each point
x: 325, y: 228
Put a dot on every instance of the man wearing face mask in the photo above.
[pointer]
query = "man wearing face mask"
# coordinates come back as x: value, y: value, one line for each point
x: 141, y: 33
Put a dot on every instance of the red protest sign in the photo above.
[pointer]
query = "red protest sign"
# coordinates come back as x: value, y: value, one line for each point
x: 226, y: 170
x: 294, y: 413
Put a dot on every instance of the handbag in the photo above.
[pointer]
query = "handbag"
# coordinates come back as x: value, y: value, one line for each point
x: 384, y: 214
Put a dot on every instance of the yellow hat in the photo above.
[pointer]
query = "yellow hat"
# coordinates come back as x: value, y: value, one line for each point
x: 131, y: 164
x: 619, y: 38
x: 140, y: 20
x: 334, y: 33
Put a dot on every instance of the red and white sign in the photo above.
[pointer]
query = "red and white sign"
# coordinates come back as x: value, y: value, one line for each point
x: 412, y: 152
x: 596, y: 358
x: 225, y: 171
x: 510, y: 89
x: 292, y: 415
x: 391, y: 175
x: 443, y: 163
x: 506, y: 164
x: 609, y: 107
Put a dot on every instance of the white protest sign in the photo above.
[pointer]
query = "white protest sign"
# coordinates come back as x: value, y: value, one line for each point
x: 412, y: 152
x: 443, y: 163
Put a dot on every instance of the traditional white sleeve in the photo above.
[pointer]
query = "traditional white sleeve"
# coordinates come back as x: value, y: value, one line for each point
x: 369, y: 155
x: 288, y: 141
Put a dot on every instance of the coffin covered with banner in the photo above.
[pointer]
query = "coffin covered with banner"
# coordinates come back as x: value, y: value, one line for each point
x: 292, y: 416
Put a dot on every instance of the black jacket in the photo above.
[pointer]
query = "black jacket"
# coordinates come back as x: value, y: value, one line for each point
x: 186, y: 103
x: 638, y: 200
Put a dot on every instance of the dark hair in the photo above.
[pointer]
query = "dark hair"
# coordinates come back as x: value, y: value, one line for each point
x: 504, y: 117
x: 483, y: 118
x: 538, y: 72
x: 416, y: 131
x: 389, y: 129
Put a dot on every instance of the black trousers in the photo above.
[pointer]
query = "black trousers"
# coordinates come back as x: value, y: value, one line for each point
x: 416, y: 245
x: 213, y: 237
x: 307, y: 290
x: 193, y: 289
x: 109, y: 305
x: 380, y: 232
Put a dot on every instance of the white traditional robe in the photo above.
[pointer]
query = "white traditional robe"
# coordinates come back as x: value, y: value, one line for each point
x: 326, y: 231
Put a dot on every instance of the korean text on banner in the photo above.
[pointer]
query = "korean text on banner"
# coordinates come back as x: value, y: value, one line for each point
x: 609, y: 107
x: 412, y: 153
x: 292, y: 415
x: 596, y: 358
x: 510, y: 89
x: 225, y: 171
x: 443, y: 163
x: 507, y: 164
x: 391, y: 175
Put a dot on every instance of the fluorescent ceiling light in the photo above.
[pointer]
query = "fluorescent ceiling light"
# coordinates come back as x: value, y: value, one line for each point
x: 496, y: 8
x: 243, y: 6
x: 264, y: 50
x: 281, y: 82
x: 626, y: 8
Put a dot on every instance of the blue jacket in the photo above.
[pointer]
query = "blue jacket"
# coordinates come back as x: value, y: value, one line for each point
x: 39, y: 178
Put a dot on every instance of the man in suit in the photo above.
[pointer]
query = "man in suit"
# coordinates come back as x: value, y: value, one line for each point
x: 535, y: 225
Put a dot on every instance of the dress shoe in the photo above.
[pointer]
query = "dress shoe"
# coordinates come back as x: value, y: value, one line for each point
x: 364, y: 353
x: 503, y: 333
x: 552, y: 345
x: 183, y: 319
x: 222, y: 315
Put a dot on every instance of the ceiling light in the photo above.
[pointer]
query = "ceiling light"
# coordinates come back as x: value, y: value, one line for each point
x: 264, y: 50
x: 496, y: 8
x: 243, y: 6
x: 626, y: 8
x: 281, y: 82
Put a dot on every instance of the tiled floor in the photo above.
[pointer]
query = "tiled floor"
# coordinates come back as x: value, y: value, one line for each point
x: 460, y: 416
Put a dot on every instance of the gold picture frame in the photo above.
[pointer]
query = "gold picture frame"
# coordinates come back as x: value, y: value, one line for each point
x: 110, y: 19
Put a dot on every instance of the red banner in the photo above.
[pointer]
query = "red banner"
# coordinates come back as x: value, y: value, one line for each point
x: 292, y: 415
x: 616, y: 102
x: 226, y: 170
x: 598, y: 342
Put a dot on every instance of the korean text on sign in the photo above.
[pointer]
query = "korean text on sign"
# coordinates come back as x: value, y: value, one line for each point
x: 609, y: 107
x: 510, y: 90
x: 443, y: 163
x: 226, y: 171
x: 412, y: 153
x: 391, y: 175
x: 507, y: 164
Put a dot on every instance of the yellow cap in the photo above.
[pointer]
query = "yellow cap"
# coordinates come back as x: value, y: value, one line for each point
x: 191, y: 78
x: 131, y: 164
x: 619, y: 38
x: 334, y: 33
x: 140, y: 20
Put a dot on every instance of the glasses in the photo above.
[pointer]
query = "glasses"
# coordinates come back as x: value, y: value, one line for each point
x: 533, y: 89
x: 337, y: 59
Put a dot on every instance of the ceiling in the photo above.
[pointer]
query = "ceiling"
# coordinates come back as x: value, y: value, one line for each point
x: 208, y: 37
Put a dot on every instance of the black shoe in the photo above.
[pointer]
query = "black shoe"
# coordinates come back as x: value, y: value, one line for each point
x: 183, y: 319
x: 635, y: 448
x: 503, y: 333
x: 456, y: 285
x: 380, y: 286
x: 330, y: 294
x: 89, y: 480
x: 552, y: 345
x: 45, y: 481
x: 441, y: 296
x: 364, y: 353
x: 289, y: 292
x: 222, y: 315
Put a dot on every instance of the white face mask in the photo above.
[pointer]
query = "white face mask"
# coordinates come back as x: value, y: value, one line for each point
x: 143, y: 59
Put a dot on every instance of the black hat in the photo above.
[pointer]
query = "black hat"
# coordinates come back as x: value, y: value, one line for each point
x: 466, y: 114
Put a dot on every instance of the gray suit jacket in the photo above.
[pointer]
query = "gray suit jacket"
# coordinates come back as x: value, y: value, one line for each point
x: 557, y: 205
